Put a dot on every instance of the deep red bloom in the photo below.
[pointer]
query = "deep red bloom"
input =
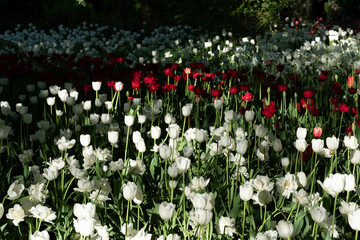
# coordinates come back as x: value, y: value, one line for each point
x: 352, y: 91
x: 150, y: 79
x: 175, y: 66
x: 135, y: 83
x: 87, y: 87
x: 177, y: 78
x: 234, y: 90
x: 196, y: 75
x: 209, y: 77
x: 168, y: 72
x: 242, y: 110
x: 282, y: 87
x: 168, y: 87
x: 137, y: 74
x: 225, y: 76
x: 353, y: 112
x: 334, y: 100
x: 337, y: 89
x: 269, y: 110
x: 280, y: 68
x: 110, y: 83
x: 131, y: 97
x: 293, y: 76
x: 247, y: 97
x: 244, y: 87
x: 324, y: 72
x: 322, y: 78
x: 308, y: 93
x: 344, y: 108
x: 191, y: 88
x: 303, y: 102
x: 349, y: 130
x: 217, y: 93
x: 153, y: 87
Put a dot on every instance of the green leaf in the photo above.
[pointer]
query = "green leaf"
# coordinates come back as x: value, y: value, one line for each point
x: 236, y: 211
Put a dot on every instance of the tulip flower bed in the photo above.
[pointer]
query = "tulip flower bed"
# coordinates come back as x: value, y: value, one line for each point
x: 199, y: 138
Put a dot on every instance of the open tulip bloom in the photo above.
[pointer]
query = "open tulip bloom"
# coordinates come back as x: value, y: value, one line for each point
x: 177, y: 135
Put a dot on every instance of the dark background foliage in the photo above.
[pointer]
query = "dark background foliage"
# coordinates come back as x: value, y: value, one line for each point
x: 240, y: 16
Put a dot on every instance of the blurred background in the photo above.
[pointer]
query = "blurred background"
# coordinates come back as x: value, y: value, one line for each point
x: 242, y: 17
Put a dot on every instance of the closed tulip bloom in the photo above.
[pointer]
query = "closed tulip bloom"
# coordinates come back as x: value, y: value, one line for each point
x: 355, y: 157
x: 301, y: 179
x: 317, y: 132
x: 285, y: 162
x: 142, y: 119
x: 94, y: 118
x: 139, y: 197
x: 86, y: 105
x: 202, y: 217
x: 85, y: 140
x: 155, y: 132
x: 27, y: 118
x: 277, y: 145
x: 246, y: 192
x: 351, y: 142
x: 174, y: 131
x: 183, y: 164
x: 318, y: 214
x: 96, y: 85
x: 136, y: 137
x: 317, y: 145
x: 113, y: 137
x: 249, y: 115
x: 285, y: 229
x: 166, y: 210
x: 241, y: 146
x: 301, y: 133
x: 218, y: 103
x: 141, y: 147
x: 106, y: 118
x: 261, y: 131
x: 129, y: 120
x: 300, y: 145
x: 165, y: 152
x: 1, y: 210
x: 118, y: 86
x: 349, y: 182
x: 186, y: 110
x: 354, y: 220
x: 129, y: 191
x: 199, y: 200
x: 332, y: 143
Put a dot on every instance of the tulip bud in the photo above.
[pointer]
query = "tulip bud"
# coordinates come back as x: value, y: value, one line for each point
x: 129, y: 191
x: 249, y: 115
x: 285, y: 229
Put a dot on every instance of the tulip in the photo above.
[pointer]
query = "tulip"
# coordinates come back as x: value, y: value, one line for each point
x: 249, y: 115
x: 96, y: 85
x: 129, y: 191
x: 332, y: 143
x: 277, y: 145
x: 166, y: 210
x: 129, y: 120
x: 300, y: 145
x: 317, y: 145
x: 155, y: 132
x: 318, y: 214
x: 317, y: 132
x: 246, y: 192
x: 85, y: 140
x: 285, y: 229
x: 354, y: 220
x: 301, y: 133
x: 113, y: 137
x: 285, y: 162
